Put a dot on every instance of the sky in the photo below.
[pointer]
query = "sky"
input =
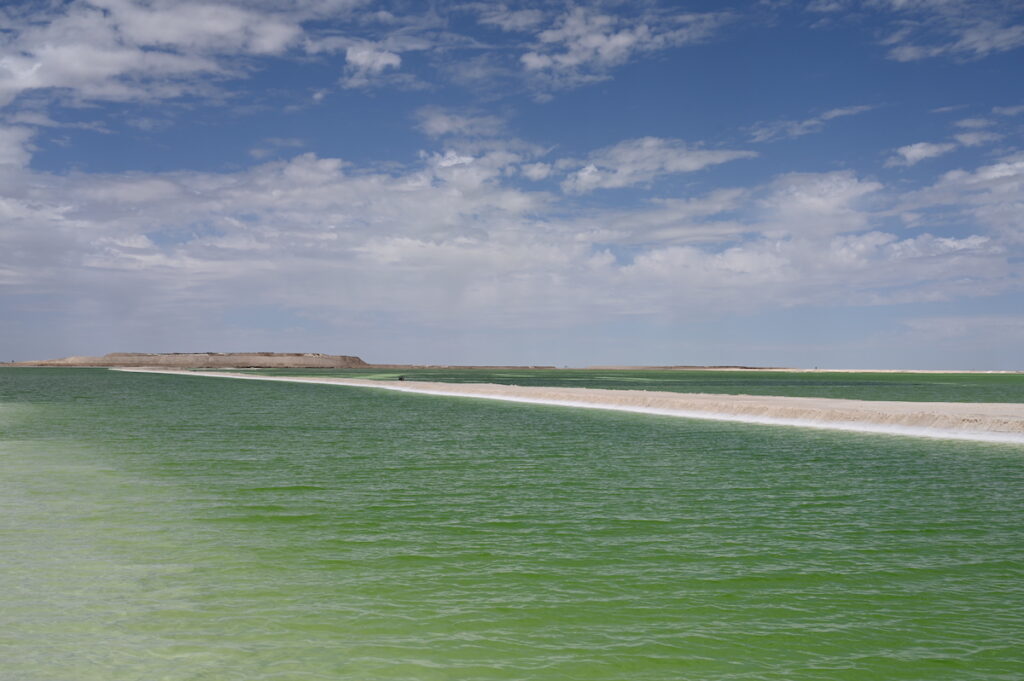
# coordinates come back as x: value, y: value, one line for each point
x: 822, y: 183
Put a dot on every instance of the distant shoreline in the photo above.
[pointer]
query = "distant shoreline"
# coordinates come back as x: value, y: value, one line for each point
x: 986, y: 422
x: 309, y: 360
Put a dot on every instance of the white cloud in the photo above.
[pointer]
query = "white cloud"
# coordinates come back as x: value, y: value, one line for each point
x: 710, y: 218
x: 923, y: 29
x: 499, y: 14
x: 125, y: 50
x: 128, y: 190
x: 437, y: 122
x: 985, y: 37
x: 38, y: 118
x: 826, y: 6
x: 872, y: 268
x: 273, y: 145
x: 364, y: 62
x: 974, y: 139
x: 200, y: 26
x: 815, y: 203
x: 974, y: 123
x: 913, y: 52
x: 584, y: 44
x: 370, y: 59
x: 960, y: 28
x: 974, y: 136
x: 766, y: 132
x: 450, y: 239
x: 1008, y: 110
x: 641, y: 160
x: 536, y: 171
x: 991, y: 197
x: 912, y: 154
x: 14, y: 146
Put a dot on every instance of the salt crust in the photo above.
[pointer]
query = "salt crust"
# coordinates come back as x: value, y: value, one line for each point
x: 987, y: 422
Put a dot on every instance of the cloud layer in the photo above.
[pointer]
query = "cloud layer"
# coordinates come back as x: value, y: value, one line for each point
x: 424, y: 169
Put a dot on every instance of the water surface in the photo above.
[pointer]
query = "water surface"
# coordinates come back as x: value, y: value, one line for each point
x: 179, y: 527
x: 849, y: 385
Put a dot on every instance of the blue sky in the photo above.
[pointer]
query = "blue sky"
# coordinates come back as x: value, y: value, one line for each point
x: 828, y: 183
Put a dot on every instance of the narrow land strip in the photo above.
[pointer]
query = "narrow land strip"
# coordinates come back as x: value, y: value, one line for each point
x: 988, y: 422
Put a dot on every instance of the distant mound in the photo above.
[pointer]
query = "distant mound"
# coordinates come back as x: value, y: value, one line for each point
x: 210, y: 360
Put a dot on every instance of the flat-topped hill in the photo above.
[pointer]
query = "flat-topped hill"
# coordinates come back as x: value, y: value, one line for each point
x: 209, y: 360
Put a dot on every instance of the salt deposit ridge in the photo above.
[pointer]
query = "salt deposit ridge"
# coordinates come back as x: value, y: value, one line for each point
x: 986, y: 422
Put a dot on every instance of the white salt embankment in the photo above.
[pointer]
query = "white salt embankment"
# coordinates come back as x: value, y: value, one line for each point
x: 989, y: 422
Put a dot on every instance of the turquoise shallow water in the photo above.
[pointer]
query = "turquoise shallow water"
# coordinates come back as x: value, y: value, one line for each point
x: 175, y: 527
x: 856, y: 386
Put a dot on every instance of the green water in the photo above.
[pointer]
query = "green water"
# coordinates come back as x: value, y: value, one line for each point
x: 171, y: 528
x: 857, y: 386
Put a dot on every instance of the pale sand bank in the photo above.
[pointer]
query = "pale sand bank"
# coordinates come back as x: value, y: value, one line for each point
x: 989, y: 422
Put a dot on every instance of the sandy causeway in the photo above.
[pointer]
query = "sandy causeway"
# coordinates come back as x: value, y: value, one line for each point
x: 994, y: 422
